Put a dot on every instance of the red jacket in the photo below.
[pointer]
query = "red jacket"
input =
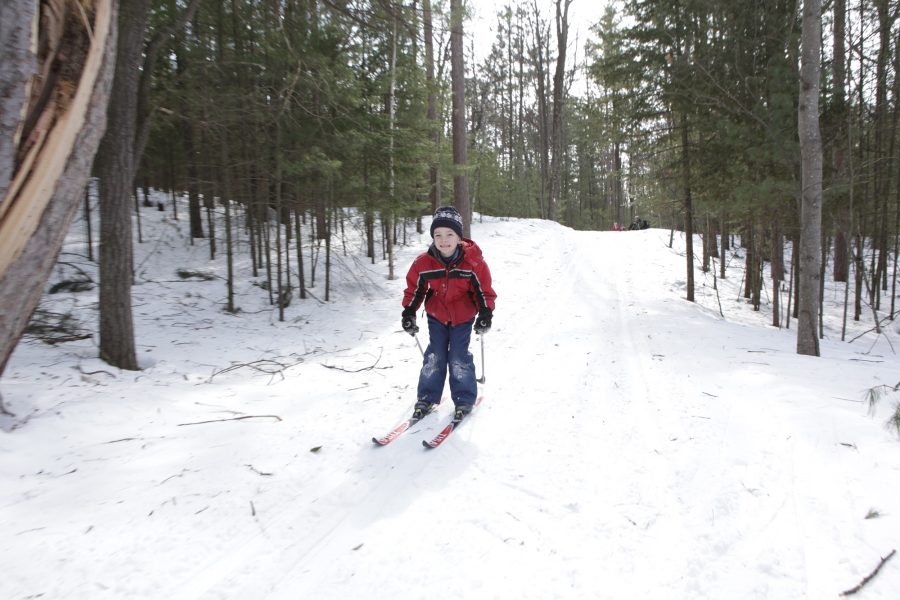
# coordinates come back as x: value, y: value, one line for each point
x: 452, y: 293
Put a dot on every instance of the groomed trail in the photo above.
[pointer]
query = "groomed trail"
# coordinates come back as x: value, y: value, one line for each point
x: 631, y: 444
x: 609, y: 460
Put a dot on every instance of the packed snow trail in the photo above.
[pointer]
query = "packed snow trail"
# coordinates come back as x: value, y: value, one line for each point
x: 630, y: 445
x: 601, y: 465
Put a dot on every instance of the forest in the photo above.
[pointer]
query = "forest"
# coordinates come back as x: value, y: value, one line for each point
x: 771, y: 125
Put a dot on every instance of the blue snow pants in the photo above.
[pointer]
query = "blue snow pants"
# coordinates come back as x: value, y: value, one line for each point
x: 448, y: 348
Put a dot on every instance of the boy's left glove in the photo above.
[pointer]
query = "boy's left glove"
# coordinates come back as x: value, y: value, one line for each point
x: 483, y: 321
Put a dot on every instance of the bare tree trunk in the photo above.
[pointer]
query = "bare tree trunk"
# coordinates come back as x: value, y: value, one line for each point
x: 89, y: 241
x: 298, y: 235
x: 859, y: 274
x: 839, y: 154
x: 17, y: 67
x: 227, y: 198
x: 195, y: 214
x: 117, y: 164
x: 540, y: 48
x: 688, y: 207
x: 392, y: 116
x: 458, y: 82
x: 120, y: 152
x: 792, y: 285
x: 328, y: 250
x: 708, y: 245
x: 45, y: 191
x: 811, y: 179
x: 559, y: 93
x: 434, y: 174
x: 283, y: 292
x: 883, y: 132
x: 777, y: 271
x: 723, y: 247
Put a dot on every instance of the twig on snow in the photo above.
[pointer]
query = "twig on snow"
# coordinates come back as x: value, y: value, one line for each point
x: 369, y: 368
x: 869, y: 577
x: 258, y: 472
x: 276, y: 417
x: 101, y: 371
x: 268, y: 366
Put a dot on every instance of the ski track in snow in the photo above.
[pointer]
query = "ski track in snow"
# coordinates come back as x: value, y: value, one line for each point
x: 630, y: 444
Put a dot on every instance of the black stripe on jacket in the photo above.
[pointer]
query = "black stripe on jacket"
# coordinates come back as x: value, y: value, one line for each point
x: 422, y: 286
x: 480, y: 300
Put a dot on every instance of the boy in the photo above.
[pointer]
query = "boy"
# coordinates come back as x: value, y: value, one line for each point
x: 454, y: 282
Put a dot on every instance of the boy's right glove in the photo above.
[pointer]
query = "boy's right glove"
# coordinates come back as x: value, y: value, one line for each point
x: 408, y: 322
x: 483, y: 321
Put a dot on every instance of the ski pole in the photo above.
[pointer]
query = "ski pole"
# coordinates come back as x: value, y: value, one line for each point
x: 419, y: 344
x: 481, y: 379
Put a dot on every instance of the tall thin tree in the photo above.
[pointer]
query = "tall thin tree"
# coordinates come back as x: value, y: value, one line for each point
x: 810, y: 179
x: 434, y: 188
x: 559, y: 97
x: 458, y: 117
x: 119, y: 155
x: 117, y: 162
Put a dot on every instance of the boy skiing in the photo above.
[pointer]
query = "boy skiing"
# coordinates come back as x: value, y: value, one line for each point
x: 454, y: 282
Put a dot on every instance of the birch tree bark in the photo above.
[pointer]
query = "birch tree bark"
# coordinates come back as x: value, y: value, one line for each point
x: 810, y: 180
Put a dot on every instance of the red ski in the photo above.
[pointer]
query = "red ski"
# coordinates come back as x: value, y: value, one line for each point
x: 394, y: 433
x: 446, y: 431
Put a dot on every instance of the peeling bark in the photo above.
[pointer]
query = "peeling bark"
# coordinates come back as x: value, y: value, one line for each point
x: 59, y: 128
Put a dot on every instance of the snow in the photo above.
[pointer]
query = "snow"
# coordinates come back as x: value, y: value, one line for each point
x: 631, y: 444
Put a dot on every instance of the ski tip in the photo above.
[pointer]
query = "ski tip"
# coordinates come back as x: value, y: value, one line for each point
x: 427, y: 445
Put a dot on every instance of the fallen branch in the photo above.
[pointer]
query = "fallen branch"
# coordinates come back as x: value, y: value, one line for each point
x: 258, y: 472
x: 336, y: 368
x: 83, y: 372
x: 369, y: 368
x: 268, y: 366
x: 276, y: 417
x: 878, y: 331
x: 869, y: 577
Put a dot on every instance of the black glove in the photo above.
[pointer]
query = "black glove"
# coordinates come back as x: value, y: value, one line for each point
x: 408, y: 322
x: 483, y: 321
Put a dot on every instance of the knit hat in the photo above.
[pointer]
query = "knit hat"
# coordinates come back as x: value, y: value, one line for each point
x: 447, y: 216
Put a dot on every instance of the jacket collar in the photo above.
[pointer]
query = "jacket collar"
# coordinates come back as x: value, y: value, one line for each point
x: 460, y: 254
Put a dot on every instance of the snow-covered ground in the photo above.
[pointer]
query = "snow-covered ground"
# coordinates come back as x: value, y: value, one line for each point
x: 631, y: 444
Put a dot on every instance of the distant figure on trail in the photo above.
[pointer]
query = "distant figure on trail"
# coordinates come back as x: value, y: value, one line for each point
x: 453, y: 280
x: 639, y: 223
